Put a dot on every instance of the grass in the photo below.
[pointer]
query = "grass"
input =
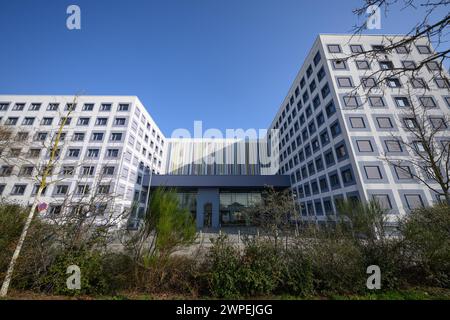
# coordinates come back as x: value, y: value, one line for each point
x: 408, y: 294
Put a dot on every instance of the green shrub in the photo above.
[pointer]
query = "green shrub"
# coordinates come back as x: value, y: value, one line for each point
x: 426, y: 234
x: 94, y: 279
x: 297, y: 273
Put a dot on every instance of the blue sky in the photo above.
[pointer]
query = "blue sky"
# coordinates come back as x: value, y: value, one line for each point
x: 228, y: 63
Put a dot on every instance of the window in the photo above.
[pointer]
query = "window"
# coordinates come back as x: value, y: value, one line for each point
x: 312, y: 86
x: 369, y: 82
x: 26, y: 171
x: 418, y: 83
x: 78, y: 136
x: 383, y: 201
x: 329, y: 158
x: 402, y: 50
x: 427, y: 102
x: 18, y: 189
x: 419, y: 146
x: 4, y: 106
x: 356, y: 48
x: 335, y: 129
x: 309, y: 72
x: 442, y: 83
x: 41, y: 136
x: 83, y: 121
x: 334, y: 180
x: 112, y: 153
x: 108, y: 170
x: 410, y: 65
x: 65, y: 120
x: 384, y: 122
x: 321, y: 74
x: 433, y: 66
x: 347, y: 176
x: 357, y: 122
x: 123, y: 107
x: 317, y: 58
x: 423, y: 49
x: 324, y: 138
x: 351, y: 101
x: 93, y: 153
x: 73, y: 153
x: 119, y: 121
x: 70, y: 107
x: 339, y: 64
x: 34, y: 153
x: 103, y: 189
x: 447, y: 100
x: 364, y: 145
x: 341, y: 152
x: 325, y: 91
x: 34, y: 107
x: 402, y: 102
x: 330, y: 109
x: 386, y: 65
x: 83, y: 189
x: 11, y: 121
x: 88, y: 170
x: 410, y: 123
x: 438, y: 123
x: 378, y: 48
x: 116, y: 136
x: 373, y: 172
x: 393, y: 146
x: 105, y: 107
x: 97, y: 136
x: 53, y: 107
x: 376, y: 101
x: 68, y: 170
x: 403, y: 172
x: 362, y: 65
x: 28, y: 121
x: 88, y: 107
x: 62, y: 189
x: 6, y: 171
x: 323, y: 184
x: 334, y: 48
x: 345, y: 82
x: 393, y: 82
x: 101, y: 121
x: 413, y: 201
x: 18, y: 107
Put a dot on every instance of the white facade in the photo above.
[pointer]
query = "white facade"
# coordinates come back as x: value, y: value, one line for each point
x: 110, y: 140
x: 315, y: 108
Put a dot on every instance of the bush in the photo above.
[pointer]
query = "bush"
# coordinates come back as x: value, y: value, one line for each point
x: 94, y: 279
x: 426, y: 234
x: 297, y: 273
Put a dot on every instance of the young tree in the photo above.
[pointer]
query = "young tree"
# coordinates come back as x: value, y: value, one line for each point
x: 43, y: 177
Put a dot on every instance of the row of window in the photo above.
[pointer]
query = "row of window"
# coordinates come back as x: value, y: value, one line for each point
x: 372, y: 82
x: 358, y: 48
x: 4, y: 106
x: 48, y: 121
x: 20, y: 189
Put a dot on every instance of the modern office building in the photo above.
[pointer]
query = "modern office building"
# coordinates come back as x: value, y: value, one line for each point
x: 335, y: 131
x: 326, y: 142
x: 109, y: 143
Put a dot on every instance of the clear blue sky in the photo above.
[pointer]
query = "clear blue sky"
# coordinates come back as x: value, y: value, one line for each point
x: 226, y: 62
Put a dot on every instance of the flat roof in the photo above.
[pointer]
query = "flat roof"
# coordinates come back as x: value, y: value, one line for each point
x: 220, y: 181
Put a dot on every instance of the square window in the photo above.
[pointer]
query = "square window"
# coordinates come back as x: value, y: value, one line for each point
x: 403, y: 172
x: 386, y: 65
x: 345, y: 82
x: 339, y: 64
x: 376, y: 101
x: 423, y: 49
x: 433, y: 66
x: 414, y: 201
x: 357, y: 122
x: 394, y: 83
x: 393, y: 146
x: 364, y: 145
x: 427, y: 102
x: 334, y: 48
x: 351, y: 101
x: 402, y: 50
x: 356, y: 48
x: 418, y: 83
x: 362, y: 65
x: 402, y: 102
x: 438, y: 123
x: 369, y: 82
x: 442, y: 83
x: 373, y: 172
x: 384, y: 122
x: 410, y: 65
x: 383, y: 201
